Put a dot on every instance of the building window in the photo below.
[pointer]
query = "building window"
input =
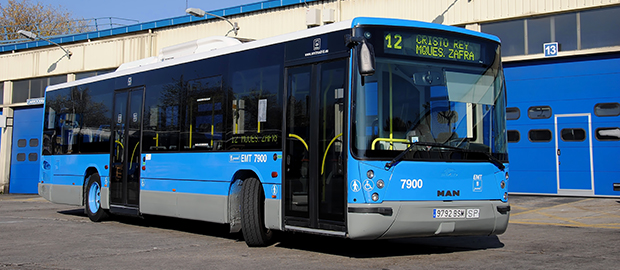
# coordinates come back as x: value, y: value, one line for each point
x: 33, y: 157
x: 539, y: 135
x: 34, y: 142
x: 514, y: 136
x: 34, y: 88
x: 599, y: 28
x: 588, y: 29
x: 1, y: 92
x: 87, y: 74
x: 513, y: 113
x: 608, y: 134
x: 573, y: 134
x: 539, y: 112
x: 21, y: 143
x: 607, y: 109
x: 511, y: 33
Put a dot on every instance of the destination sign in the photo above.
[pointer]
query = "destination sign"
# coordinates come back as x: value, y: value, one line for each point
x: 432, y: 46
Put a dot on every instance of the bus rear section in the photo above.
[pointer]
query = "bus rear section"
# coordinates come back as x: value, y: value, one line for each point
x: 428, y: 137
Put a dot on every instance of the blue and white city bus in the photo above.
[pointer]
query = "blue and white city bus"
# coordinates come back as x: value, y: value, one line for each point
x: 365, y: 129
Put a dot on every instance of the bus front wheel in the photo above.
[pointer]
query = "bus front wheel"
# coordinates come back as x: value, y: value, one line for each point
x: 252, y: 214
x: 92, y: 198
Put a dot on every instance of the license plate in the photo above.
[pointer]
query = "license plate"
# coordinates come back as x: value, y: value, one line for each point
x: 456, y: 213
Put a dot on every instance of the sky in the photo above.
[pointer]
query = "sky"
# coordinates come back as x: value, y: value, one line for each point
x: 141, y: 10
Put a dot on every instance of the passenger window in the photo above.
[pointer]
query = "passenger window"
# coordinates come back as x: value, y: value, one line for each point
x: 573, y: 134
x: 514, y: 136
x: 513, y: 113
x: 540, y: 135
x: 608, y: 134
x: 607, y: 109
x: 21, y: 143
x: 539, y: 112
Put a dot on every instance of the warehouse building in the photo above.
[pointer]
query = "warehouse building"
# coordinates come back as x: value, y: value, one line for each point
x: 561, y: 60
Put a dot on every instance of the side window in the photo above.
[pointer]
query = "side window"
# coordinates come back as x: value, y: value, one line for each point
x: 573, y: 134
x: 256, y: 108
x: 21, y: 143
x: 539, y: 135
x: 203, y: 127
x: 162, y: 112
x: 607, y: 109
x: 513, y: 113
x: 539, y: 112
x: 514, y: 136
x: 77, y: 120
x: 608, y: 134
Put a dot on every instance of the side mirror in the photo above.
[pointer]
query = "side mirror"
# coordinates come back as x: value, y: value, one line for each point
x: 366, y: 59
x: 365, y: 54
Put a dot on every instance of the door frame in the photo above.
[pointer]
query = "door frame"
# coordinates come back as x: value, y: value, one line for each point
x: 125, y: 208
x: 577, y: 192
x: 313, y: 222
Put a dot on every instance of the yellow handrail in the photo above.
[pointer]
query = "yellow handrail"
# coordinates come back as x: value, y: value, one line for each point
x: 327, y: 150
x: 387, y: 140
x: 300, y: 139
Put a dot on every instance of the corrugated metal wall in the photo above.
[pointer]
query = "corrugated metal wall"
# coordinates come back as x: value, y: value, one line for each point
x: 111, y: 52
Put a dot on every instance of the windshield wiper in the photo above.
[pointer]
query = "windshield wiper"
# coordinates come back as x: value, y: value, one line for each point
x: 400, y: 156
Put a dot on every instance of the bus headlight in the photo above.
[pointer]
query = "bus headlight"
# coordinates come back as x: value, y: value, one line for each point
x: 502, y: 184
x: 370, y: 174
x: 375, y: 197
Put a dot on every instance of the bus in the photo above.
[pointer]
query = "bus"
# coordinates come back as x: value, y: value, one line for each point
x: 370, y: 128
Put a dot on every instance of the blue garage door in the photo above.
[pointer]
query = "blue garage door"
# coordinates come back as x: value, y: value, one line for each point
x: 27, y: 125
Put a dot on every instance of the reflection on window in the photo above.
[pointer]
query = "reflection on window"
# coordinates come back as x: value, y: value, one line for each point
x: 539, y: 112
x: 540, y: 135
x: 77, y: 120
x: 514, y: 136
x: 573, y: 134
x: 607, y: 109
x: 513, y: 113
x: 608, y: 134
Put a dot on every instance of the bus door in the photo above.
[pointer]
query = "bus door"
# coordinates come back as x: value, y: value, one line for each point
x: 314, y: 152
x: 125, y: 157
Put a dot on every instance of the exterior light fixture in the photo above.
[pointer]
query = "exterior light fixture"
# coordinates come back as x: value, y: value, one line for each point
x: 196, y: 12
x: 33, y: 36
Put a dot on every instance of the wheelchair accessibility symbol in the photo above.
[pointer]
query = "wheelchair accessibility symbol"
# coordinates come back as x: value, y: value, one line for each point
x: 368, y: 185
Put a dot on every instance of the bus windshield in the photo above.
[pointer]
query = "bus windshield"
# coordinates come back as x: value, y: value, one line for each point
x: 422, y: 100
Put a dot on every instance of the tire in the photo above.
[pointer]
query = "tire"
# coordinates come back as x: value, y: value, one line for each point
x: 253, y: 214
x: 92, y: 199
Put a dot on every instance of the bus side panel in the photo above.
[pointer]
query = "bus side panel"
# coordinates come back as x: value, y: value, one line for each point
x: 197, y: 185
x: 63, y: 181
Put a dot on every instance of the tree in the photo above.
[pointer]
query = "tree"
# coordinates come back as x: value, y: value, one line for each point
x: 44, y: 20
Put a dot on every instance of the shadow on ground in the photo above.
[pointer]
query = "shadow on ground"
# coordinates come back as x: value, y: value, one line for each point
x: 319, y: 244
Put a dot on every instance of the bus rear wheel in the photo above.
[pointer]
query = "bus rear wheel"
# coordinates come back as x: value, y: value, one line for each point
x: 252, y: 214
x: 92, y: 198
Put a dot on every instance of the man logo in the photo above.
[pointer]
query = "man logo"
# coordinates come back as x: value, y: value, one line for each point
x: 448, y: 193
x: 316, y: 44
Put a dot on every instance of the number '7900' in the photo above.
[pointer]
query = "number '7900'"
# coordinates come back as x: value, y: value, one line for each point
x: 411, y: 183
